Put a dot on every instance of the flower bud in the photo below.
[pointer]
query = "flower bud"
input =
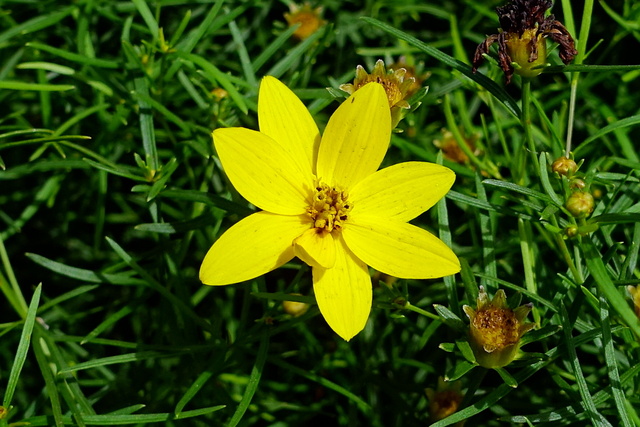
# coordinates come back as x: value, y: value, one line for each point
x: 219, y: 94
x: 577, y: 184
x: 564, y: 166
x: 596, y: 193
x: 580, y: 204
x: 495, y: 329
x: 295, y: 308
x: 571, y: 231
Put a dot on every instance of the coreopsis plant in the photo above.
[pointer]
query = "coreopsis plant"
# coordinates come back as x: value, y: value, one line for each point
x: 522, y: 45
x: 324, y: 201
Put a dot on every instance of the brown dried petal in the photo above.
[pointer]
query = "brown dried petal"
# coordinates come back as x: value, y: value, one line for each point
x: 483, y: 48
x: 559, y: 34
x: 503, y: 57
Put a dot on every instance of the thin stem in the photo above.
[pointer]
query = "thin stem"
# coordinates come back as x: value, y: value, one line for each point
x: 526, y: 120
x: 418, y: 310
x: 582, y: 49
x: 566, y: 255
x: 9, y: 285
x: 572, y: 112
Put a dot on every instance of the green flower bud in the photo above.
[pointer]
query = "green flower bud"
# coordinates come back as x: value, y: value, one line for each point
x: 580, y: 204
x: 577, y: 184
x: 564, y: 166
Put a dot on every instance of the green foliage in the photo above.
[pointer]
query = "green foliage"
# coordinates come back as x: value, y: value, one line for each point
x: 111, y: 194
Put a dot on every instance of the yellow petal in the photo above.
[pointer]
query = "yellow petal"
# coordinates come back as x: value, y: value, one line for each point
x: 262, y: 171
x: 399, y: 249
x: 401, y: 192
x: 344, y: 292
x: 254, y: 246
x: 283, y: 117
x: 356, y: 138
x: 315, y: 248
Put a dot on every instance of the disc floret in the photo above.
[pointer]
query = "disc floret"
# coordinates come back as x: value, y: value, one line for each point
x: 329, y: 208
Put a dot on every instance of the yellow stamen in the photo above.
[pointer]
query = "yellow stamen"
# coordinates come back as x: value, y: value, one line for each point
x: 328, y: 208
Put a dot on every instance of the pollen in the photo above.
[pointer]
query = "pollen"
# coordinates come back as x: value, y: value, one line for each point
x: 328, y: 208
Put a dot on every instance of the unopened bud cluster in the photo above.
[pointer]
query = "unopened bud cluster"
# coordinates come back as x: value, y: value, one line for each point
x: 580, y: 202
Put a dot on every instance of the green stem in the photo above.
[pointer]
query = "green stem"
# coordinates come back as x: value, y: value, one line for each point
x: 418, y: 310
x: 566, y: 255
x: 582, y: 49
x: 10, y: 287
x: 572, y: 112
x: 526, y: 120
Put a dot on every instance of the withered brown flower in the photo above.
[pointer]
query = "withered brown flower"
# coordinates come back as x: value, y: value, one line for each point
x: 521, y: 38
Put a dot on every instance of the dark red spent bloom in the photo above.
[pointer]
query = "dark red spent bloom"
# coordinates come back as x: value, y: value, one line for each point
x: 520, y: 15
x: 521, y: 39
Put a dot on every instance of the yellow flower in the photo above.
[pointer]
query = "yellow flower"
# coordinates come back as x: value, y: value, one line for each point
x: 325, y: 202
x: 495, y: 329
x: 397, y: 85
x: 309, y: 19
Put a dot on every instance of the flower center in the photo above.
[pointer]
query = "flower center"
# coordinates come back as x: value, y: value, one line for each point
x: 498, y: 327
x: 329, y: 208
x: 391, y: 87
